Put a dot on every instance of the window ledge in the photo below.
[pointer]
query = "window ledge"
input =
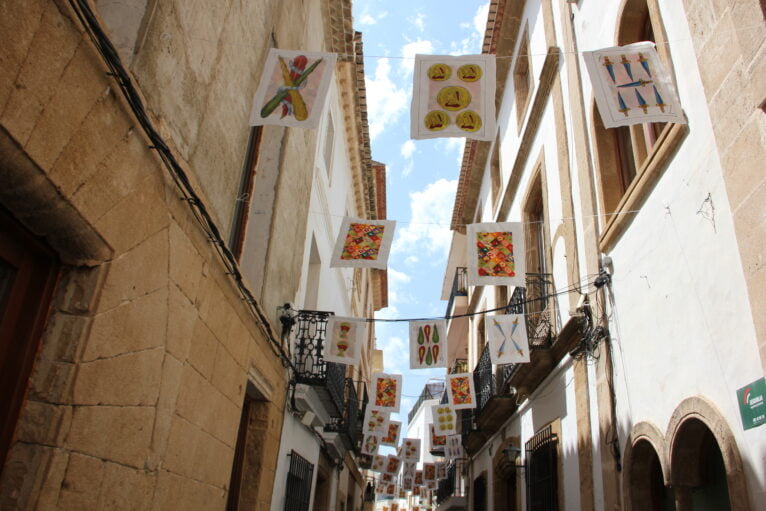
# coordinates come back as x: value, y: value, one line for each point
x: 643, y: 184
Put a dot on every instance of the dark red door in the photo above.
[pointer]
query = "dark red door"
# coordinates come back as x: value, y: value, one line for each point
x: 28, y: 271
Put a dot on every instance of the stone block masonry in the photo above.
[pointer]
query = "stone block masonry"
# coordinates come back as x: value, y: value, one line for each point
x: 137, y: 389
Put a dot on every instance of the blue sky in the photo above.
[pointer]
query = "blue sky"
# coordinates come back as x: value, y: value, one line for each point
x: 422, y: 174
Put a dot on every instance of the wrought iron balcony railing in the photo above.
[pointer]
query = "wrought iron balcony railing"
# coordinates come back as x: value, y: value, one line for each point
x: 536, y: 302
x: 483, y: 380
x: 310, y: 366
x: 349, y: 425
x: 453, y: 485
x: 459, y: 287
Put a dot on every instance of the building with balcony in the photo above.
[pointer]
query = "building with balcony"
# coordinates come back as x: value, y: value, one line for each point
x: 636, y: 241
x: 148, y: 234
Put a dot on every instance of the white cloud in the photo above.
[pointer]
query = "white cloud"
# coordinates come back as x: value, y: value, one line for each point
x: 411, y: 49
x: 428, y: 233
x: 472, y: 44
x: 366, y: 19
x: 411, y: 260
x: 419, y: 21
x: 408, y: 148
x: 395, y: 354
x: 407, y: 170
x: 385, y: 101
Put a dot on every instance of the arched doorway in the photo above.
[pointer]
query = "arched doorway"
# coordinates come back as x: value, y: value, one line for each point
x: 699, y: 472
x: 505, y: 476
x: 706, y: 468
x: 647, y: 484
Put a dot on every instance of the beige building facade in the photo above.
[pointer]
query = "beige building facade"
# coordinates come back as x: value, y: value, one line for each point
x: 642, y: 246
x: 147, y: 236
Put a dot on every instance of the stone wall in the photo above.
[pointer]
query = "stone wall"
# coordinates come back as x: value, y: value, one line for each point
x: 136, y: 393
x: 730, y: 42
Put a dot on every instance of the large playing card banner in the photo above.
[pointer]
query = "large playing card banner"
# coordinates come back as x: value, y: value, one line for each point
x: 445, y: 419
x: 496, y: 254
x: 428, y: 344
x: 345, y: 337
x: 293, y: 88
x: 461, y: 391
x: 375, y: 422
x: 453, y: 97
x: 507, y: 336
x: 387, y: 392
x: 410, y: 449
x: 632, y: 86
x: 454, y: 447
x: 392, y: 438
x: 363, y: 243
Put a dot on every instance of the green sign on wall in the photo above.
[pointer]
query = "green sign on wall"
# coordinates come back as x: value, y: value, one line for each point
x: 752, y: 403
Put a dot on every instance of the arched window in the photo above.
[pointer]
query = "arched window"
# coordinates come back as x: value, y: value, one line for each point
x: 629, y: 157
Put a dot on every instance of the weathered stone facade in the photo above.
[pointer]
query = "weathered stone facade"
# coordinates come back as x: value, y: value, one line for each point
x: 137, y: 388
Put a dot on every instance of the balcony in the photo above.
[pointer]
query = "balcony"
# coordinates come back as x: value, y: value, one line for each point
x: 451, y: 493
x: 349, y: 425
x: 317, y: 380
x: 497, y: 388
x: 459, y: 289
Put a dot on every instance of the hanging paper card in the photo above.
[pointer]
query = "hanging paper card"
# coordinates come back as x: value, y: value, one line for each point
x: 416, y: 489
x: 429, y: 472
x: 507, y: 335
x: 428, y: 344
x: 441, y: 470
x: 437, y: 441
x: 380, y: 488
x: 393, y: 465
x: 432, y: 485
x: 496, y: 254
x: 390, y: 489
x: 460, y: 391
x: 409, y: 468
x: 392, y: 438
x: 453, y: 97
x: 387, y: 392
x: 363, y: 243
x: 345, y: 337
x: 631, y: 86
x: 386, y: 478
x: 375, y: 422
x: 419, y: 477
x: 293, y: 88
x: 379, y: 462
x: 454, y: 448
x: 408, y: 483
x: 370, y: 444
x: 410, y: 449
x: 445, y: 419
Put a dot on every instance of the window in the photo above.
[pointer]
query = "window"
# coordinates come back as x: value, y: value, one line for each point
x: 534, y: 227
x: 311, y: 299
x: 28, y: 272
x: 329, y: 142
x: 237, y: 238
x: 542, y: 474
x: 522, y: 78
x: 495, y: 173
x: 630, y: 156
x: 298, y: 492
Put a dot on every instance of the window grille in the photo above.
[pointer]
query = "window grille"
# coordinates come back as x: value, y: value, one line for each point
x: 542, y: 461
x: 298, y: 492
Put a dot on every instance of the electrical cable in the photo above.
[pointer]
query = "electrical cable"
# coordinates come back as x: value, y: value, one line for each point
x: 178, y: 175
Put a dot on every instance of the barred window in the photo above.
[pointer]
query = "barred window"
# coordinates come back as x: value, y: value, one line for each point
x: 542, y: 477
x: 298, y: 492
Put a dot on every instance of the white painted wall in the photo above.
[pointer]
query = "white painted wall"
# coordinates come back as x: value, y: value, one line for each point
x: 295, y: 437
x: 681, y: 321
x: 418, y: 428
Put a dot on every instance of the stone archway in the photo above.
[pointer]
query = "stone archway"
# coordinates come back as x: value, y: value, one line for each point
x: 700, y: 440
x: 646, y: 473
x: 505, y: 478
